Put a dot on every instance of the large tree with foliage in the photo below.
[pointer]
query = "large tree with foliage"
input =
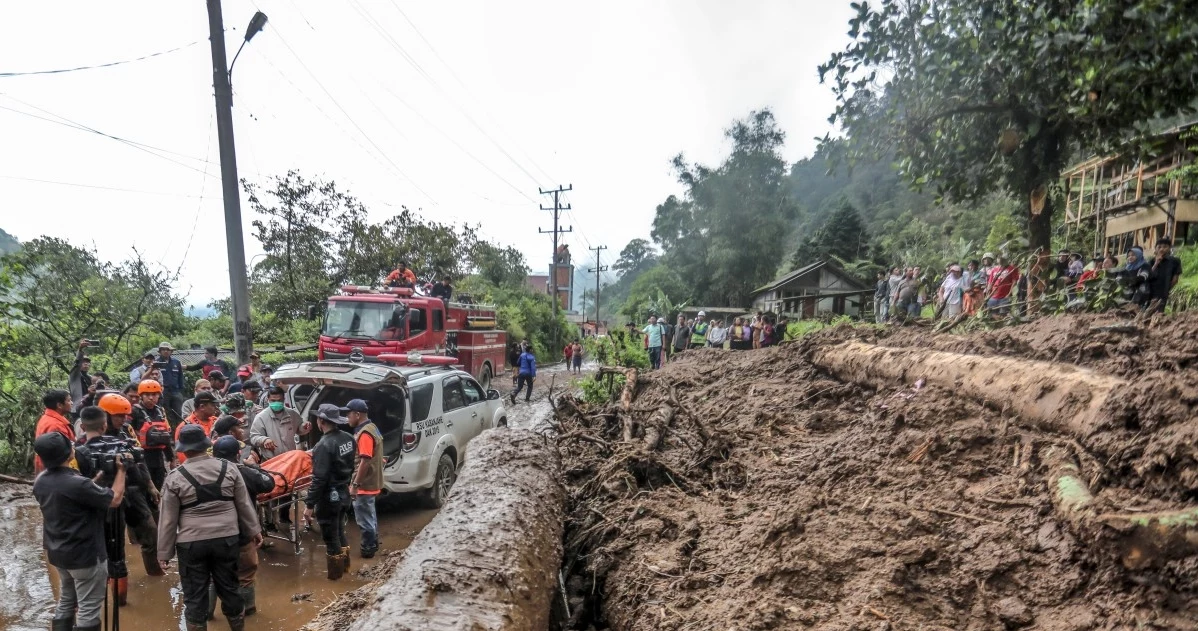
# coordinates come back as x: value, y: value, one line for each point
x: 638, y: 252
x: 52, y: 295
x: 977, y: 96
x: 842, y: 235
x: 727, y: 234
x: 317, y: 238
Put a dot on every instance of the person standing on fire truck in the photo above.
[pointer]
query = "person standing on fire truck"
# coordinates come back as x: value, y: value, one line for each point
x: 401, y: 276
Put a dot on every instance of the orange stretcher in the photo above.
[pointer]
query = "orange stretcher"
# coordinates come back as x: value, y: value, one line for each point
x: 292, y: 472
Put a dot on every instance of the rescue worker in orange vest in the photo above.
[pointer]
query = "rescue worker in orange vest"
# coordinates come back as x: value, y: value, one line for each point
x: 153, y: 431
x: 401, y: 276
x: 367, y: 482
x: 205, y: 415
x: 54, y: 419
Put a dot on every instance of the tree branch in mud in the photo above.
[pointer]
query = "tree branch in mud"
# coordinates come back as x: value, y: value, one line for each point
x: 1147, y: 539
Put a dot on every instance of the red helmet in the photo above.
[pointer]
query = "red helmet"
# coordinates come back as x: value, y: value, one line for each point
x: 149, y: 386
x: 115, y: 404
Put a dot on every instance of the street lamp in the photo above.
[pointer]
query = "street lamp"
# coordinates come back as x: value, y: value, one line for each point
x: 256, y: 24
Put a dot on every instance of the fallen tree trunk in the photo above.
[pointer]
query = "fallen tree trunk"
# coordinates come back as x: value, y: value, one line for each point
x: 1061, y: 397
x: 490, y: 559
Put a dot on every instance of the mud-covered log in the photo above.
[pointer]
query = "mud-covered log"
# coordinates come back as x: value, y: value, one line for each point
x: 490, y: 559
x: 1061, y: 397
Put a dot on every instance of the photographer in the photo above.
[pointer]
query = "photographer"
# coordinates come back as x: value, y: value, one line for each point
x: 73, y: 517
x: 107, y: 438
x: 153, y: 431
x: 205, y: 510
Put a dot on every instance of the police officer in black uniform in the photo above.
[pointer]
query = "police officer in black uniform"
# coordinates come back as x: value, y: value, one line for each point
x: 328, y: 497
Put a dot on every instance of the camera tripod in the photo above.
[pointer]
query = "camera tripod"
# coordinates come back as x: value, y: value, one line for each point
x: 114, y: 545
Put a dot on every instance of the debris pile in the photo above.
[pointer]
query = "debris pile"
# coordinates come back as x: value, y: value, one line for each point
x: 1040, y: 476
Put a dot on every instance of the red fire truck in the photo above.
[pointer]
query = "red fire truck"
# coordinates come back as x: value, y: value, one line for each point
x: 362, y: 323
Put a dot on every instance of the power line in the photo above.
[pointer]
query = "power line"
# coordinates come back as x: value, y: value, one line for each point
x: 98, y: 187
x: 350, y: 118
x: 377, y: 26
x: 66, y: 122
x: 104, y: 65
x: 199, y: 205
x: 456, y: 143
x: 459, y: 80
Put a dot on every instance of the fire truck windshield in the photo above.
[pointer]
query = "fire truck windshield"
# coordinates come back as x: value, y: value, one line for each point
x: 366, y: 320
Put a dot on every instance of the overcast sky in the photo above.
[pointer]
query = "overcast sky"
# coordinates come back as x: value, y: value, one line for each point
x: 460, y: 108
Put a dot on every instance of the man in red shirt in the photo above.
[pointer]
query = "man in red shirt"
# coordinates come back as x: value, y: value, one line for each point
x: 54, y: 419
x: 367, y: 481
x: 401, y: 276
x: 999, y: 285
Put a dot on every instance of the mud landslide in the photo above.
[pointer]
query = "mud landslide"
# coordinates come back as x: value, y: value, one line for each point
x: 489, y: 560
x: 758, y: 490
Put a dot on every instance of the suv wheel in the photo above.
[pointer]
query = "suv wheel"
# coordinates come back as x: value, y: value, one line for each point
x: 443, y: 482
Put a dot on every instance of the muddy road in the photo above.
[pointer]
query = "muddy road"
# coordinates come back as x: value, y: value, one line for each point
x: 291, y: 589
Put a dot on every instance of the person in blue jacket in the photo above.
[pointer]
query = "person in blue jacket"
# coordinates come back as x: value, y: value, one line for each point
x: 528, y: 372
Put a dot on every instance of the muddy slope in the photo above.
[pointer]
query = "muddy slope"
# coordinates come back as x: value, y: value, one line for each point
x: 781, y: 497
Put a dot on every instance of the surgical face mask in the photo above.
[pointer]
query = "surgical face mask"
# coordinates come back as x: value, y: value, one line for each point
x: 276, y: 406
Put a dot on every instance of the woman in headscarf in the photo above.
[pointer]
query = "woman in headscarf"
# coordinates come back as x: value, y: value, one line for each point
x: 1134, y: 277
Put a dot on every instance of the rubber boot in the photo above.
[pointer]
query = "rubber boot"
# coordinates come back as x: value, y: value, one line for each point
x: 335, y: 566
x: 345, y: 556
x: 62, y: 624
x: 249, y: 598
x: 149, y: 558
x: 191, y: 626
x: 94, y: 627
x: 211, y: 600
x: 121, y: 585
x: 237, y: 623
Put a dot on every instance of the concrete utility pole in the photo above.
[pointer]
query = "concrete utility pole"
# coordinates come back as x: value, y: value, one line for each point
x: 598, y: 268
x: 238, y: 291
x: 557, y: 213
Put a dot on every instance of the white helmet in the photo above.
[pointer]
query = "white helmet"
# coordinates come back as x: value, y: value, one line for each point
x: 702, y: 314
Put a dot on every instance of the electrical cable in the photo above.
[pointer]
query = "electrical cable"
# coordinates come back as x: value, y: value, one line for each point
x: 377, y: 26
x: 96, y: 186
x: 351, y: 120
x: 66, y: 122
x: 104, y: 65
x: 459, y: 80
x: 199, y: 205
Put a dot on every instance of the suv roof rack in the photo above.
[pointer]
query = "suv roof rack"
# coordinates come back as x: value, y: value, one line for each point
x: 422, y: 371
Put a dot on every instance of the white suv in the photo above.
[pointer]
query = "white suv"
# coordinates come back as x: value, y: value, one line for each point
x: 426, y: 414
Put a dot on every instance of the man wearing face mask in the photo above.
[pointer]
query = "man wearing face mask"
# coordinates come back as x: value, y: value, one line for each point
x: 274, y: 429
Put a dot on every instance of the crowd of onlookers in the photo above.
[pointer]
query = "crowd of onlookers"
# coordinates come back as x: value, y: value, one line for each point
x: 663, y: 339
x: 995, y: 285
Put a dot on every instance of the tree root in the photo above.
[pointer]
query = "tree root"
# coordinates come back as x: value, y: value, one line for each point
x: 1147, y: 539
